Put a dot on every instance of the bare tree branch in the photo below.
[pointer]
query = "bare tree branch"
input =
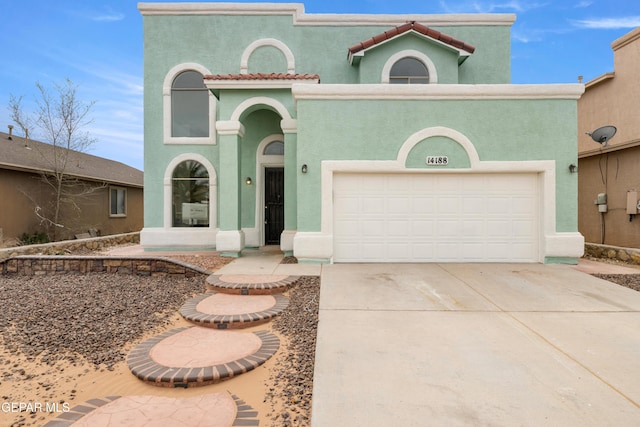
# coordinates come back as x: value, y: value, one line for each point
x: 59, y: 119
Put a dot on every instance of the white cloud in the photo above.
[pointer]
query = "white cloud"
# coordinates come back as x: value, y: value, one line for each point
x: 608, y: 23
x: 583, y: 4
x: 108, y: 17
x: 477, y: 6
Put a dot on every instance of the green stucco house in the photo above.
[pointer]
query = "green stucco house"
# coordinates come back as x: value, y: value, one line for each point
x: 352, y: 138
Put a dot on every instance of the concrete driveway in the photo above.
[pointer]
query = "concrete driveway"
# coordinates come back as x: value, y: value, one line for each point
x: 475, y: 345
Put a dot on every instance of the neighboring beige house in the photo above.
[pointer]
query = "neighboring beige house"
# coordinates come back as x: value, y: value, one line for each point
x: 115, y: 206
x: 612, y: 99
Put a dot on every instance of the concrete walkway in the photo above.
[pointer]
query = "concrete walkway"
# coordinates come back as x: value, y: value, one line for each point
x: 476, y: 345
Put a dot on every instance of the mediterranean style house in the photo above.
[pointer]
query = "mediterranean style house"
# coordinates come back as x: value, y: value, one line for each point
x: 612, y: 99
x: 352, y: 138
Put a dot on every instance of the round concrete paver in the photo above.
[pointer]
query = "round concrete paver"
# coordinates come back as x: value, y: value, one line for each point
x: 250, y: 284
x: 232, y: 311
x: 194, y: 356
x: 212, y: 410
x: 228, y: 305
x: 196, y: 347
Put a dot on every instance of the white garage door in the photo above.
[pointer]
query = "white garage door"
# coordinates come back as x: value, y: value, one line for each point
x: 436, y: 217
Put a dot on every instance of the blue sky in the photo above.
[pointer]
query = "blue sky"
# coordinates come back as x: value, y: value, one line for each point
x: 98, y: 45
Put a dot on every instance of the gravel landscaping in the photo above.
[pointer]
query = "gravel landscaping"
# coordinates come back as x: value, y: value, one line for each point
x: 96, y: 318
x: 74, y: 319
x: 627, y: 280
x: 92, y: 316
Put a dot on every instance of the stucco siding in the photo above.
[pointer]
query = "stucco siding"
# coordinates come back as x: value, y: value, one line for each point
x: 500, y: 130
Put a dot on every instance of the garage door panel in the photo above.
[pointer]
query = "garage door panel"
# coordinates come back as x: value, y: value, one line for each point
x: 473, y: 228
x: 436, y: 217
x: 399, y: 228
x: 423, y: 205
x: 422, y: 228
x: 373, y: 204
x: 449, y: 205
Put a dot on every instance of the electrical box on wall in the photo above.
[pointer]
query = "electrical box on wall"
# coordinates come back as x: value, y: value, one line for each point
x: 601, y: 200
x: 632, y: 202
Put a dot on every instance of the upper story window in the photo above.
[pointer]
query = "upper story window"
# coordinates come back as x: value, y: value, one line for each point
x: 408, y: 71
x: 189, y: 106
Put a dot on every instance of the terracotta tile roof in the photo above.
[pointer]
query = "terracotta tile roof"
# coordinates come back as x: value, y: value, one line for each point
x: 415, y: 26
x: 263, y: 76
x: 21, y: 154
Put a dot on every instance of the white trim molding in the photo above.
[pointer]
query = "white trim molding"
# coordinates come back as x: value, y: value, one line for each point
x: 296, y: 10
x: 168, y: 195
x: 166, y: 107
x: 244, y: 61
x: 264, y: 161
x: 260, y: 100
x: 230, y: 127
x: 410, y: 53
x: 436, y: 92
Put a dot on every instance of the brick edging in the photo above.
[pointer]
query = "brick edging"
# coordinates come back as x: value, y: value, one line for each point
x: 148, y: 370
x: 215, y: 283
x: 236, y: 321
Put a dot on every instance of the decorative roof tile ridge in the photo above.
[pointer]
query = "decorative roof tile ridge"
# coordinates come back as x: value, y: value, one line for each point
x: 262, y: 76
x: 408, y: 26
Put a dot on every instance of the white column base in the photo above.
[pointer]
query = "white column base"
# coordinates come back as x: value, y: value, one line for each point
x: 564, y: 245
x: 313, y: 247
x: 230, y: 243
x: 178, y: 237
x: 286, y: 241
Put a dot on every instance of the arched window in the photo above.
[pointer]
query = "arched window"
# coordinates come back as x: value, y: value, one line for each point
x: 408, y: 71
x: 189, y: 106
x: 275, y: 148
x: 190, y: 195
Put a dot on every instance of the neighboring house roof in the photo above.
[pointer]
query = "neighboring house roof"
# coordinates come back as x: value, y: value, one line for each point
x: 358, y: 49
x: 29, y: 155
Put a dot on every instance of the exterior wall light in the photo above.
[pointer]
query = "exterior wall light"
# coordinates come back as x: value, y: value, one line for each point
x: 573, y: 168
x: 304, y: 168
x: 248, y: 180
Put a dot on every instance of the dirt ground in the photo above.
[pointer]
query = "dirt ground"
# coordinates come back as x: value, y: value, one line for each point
x: 40, y: 365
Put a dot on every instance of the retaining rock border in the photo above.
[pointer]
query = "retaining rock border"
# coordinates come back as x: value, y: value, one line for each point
x: 60, y: 248
x: 36, y: 265
x: 626, y: 255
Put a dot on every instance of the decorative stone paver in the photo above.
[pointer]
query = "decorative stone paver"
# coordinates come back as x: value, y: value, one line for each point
x: 210, y: 410
x: 202, y: 356
x: 250, y: 284
x: 228, y: 311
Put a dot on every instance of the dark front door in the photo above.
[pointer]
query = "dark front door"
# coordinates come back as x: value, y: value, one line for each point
x: 273, y: 205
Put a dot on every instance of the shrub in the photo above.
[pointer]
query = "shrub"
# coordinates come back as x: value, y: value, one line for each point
x: 33, y: 239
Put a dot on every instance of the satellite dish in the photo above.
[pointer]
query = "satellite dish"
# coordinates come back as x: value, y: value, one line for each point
x: 603, y: 135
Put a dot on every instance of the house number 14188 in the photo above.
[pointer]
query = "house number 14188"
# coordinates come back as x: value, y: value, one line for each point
x: 437, y: 160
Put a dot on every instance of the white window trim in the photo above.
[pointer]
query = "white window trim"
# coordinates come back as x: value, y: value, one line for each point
x: 410, y: 53
x: 117, y: 215
x: 213, y: 189
x: 166, y: 107
x: 244, y: 61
